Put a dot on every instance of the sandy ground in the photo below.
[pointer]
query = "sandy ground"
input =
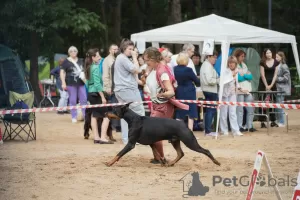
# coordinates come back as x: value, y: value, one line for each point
x: 61, y: 165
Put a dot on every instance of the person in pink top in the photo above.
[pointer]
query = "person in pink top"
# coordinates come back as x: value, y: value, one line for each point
x: 160, y: 83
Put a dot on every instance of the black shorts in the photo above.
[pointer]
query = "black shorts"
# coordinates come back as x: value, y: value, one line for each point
x: 94, y: 98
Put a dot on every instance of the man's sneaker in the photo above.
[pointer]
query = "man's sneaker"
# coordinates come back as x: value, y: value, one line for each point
x: 225, y: 133
x: 273, y: 124
x: 252, y: 130
x: 238, y: 134
x: 74, y: 120
x: 243, y: 129
x: 281, y: 125
x: 213, y: 134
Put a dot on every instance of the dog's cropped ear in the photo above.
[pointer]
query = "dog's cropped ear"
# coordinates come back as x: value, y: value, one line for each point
x: 128, y: 104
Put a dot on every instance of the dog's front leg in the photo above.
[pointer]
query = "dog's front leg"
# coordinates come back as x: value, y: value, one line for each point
x: 126, y: 149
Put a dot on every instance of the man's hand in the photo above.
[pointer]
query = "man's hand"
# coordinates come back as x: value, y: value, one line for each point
x: 108, y: 92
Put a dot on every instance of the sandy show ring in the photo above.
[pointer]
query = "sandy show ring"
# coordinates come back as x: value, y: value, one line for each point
x: 61, y: 165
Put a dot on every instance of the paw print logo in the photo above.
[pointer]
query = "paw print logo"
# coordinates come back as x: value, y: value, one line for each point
x: 261, y: 181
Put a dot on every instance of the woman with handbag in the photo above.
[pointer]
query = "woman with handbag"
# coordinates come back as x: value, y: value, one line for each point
x: 96, y: 95
x: 161, y: 84
x: 72, y: 78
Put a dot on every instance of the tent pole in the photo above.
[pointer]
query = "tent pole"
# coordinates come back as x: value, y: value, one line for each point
x: 296, y: 56
x: 225, y: 50
x: 270, y: 14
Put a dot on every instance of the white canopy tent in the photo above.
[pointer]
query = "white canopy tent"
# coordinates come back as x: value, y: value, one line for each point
x: 222, y: 30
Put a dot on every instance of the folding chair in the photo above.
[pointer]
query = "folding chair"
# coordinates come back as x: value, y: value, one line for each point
x: 14, y: 124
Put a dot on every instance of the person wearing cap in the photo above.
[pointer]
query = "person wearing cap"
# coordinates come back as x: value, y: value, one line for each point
x: 209, y: 84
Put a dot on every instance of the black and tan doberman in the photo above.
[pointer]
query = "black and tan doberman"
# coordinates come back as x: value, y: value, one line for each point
x: 148, y: 130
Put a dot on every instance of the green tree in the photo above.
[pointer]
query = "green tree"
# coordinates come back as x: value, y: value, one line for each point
x: 35, y: 23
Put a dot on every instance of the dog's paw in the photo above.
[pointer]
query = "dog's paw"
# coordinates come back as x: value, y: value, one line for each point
x: 171, y: 164
x: 217, y: 162
x: 164, y: 165
x: 108, y: 164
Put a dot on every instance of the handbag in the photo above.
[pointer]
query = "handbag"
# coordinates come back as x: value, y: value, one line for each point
x: 80, y: 72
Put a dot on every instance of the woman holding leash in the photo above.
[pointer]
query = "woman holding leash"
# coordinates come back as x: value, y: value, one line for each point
x: 96, y: 95
x: 161, y: 84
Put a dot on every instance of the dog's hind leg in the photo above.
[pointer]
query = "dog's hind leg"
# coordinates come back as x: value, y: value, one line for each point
x: 191, y: 142
x: 180, y: 154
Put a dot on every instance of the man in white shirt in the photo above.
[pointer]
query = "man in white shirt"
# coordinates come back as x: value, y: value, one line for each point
x: 189, y: 49
x: 209, y: 84
x: 107, y: 80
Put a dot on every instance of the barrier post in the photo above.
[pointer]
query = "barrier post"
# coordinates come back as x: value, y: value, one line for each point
x: 260, y: 157
x: 296, y: 195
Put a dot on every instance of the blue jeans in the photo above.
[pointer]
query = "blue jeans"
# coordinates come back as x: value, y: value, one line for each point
x: 142, y: 94
x: 240, y: 111
x: 114, y: 123
x: 280, y: 114
x: 210, y: 112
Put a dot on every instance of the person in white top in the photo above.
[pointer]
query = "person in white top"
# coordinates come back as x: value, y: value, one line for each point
x: 231, y: 86
x: 166, y: 54
x: 189, y: 49
x: 244, y: 78
x: 209, y: 84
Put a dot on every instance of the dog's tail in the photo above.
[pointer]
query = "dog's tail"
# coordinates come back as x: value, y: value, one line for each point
x: 191, y: 142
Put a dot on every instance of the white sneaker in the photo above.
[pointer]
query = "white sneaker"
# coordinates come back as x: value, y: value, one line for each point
x: 238, y: 134
x: 74, y: 120
x: 225, y: 133
x: 1, y: 142
x: 281, y: 125
x: 213, y: 134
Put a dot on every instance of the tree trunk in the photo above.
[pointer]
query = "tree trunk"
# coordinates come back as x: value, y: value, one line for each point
x: 51, y: 62
x: 140, y: 4
x: 104, y: 21
x: 219, y: 7
x: 174, y: 10
x: 193, y: 9
x: 204, y: 7
x: 117, y: 21
x: 34, y: 67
